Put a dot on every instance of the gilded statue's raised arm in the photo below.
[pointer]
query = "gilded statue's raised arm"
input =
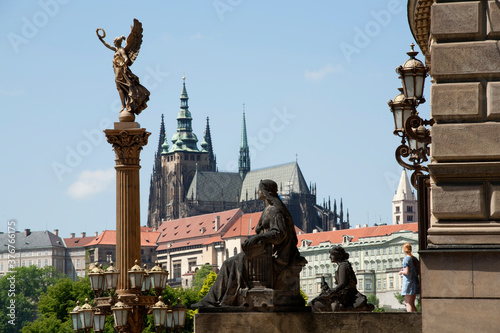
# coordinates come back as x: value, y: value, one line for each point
x: 132, y: 94
x: 101, y: 38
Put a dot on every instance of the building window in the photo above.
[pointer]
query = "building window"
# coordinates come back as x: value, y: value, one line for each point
x: 372, y: 251
x: 385, y: 265
x: 397, y: 219
x: 378, y: 251
x: 379, y: 284
x: 373, y: 265
x: 397, y: 209
x: 409, y: 218
x: 378, y: 265
x: 390, y: 264
x: 368, y: 285
x: 39, y: 253
x: 235, y: 251
x: 391, y: 282
x: 361, y: 283
x: 197, y: 157
x: 24, y: 263
x: 385, y: 284
x: 191, y: 264
x: 46, y: 263
x: 409, y: 209
x: 384, y: 250
x: 39, y: 263
x: 366, y: 252
x: 227, y: 253
x: 390, y: 250
x: 177, y: 269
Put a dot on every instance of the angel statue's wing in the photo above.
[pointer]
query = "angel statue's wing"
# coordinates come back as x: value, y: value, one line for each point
x: 134, y: 41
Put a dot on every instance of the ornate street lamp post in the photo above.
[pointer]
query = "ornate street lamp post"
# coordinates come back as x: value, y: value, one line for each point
x: 415, y: 137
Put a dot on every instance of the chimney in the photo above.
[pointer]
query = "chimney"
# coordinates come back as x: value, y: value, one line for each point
x: 83, y: 234
x: 27, y: 232
x: 357, y: 226
x: 315, y: 231
x: 365, y: 225
x: 96, y: 234
x: 56, y: 232
x: 72, y: 235
x: 217, y: 223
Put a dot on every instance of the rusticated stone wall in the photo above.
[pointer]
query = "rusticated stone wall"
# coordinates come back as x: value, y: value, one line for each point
x: 460, y: 269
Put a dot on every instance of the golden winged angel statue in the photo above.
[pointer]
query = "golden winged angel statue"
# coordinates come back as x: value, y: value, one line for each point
x: 132, y: 94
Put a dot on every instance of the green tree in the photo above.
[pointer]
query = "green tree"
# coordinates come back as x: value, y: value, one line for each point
x: 372, y: 299
x: 200, y: 276
x: 55, y: 304
x: 48, y: 324
x: 209, y: 281
x: 21, y: 289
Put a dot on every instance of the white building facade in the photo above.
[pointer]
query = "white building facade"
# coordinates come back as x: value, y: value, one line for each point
x: 375, y: 254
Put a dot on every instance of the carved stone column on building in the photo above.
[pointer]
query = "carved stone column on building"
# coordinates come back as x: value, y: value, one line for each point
x: 127, y: 140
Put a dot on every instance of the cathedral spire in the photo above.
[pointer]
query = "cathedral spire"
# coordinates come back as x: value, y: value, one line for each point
x: 162, y: 135
x: 211, y: 157
x: 244, y: 160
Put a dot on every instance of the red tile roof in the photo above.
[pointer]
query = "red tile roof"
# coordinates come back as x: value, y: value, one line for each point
x: 336, y: 237
x: 108, y: 237
x: 245, y: 226
x: 77, y: 241
x: 201, y: 226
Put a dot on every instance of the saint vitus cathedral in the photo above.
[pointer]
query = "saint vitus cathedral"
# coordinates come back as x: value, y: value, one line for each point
x: 185, y: 181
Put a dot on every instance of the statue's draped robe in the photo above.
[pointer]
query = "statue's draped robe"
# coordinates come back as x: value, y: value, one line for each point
x: 275, y: 227
x: 127, y: 82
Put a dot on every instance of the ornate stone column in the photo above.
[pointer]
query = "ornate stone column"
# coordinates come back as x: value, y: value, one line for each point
x: 127, y: 140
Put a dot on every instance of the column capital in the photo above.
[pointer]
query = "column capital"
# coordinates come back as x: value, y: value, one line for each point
x: 127, y: 144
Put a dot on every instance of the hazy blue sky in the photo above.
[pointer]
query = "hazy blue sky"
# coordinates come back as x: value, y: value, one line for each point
x: 315, y: 77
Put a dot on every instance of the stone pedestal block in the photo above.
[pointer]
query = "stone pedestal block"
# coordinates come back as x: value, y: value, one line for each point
x: 493, y: 20
x: 493, y: 100
x: 464, y: 202
x: 467, y: 60
x: 452, y: 21
x: 457, y: 101
x: 288, y: 322
x: 466, y: 142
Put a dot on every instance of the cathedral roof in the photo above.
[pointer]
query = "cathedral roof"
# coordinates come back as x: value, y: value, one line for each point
x: 215, y: 186
x: 405, y: 191
x: 336, y: 237
x: 288, y: 177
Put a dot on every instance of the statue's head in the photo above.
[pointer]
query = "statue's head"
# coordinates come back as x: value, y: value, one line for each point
x: 338, y: 254
x: 268, y: 189
x: 118, y: 41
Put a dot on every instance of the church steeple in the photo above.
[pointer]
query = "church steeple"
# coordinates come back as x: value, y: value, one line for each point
x: 244, y: 160
x: 184, y: 139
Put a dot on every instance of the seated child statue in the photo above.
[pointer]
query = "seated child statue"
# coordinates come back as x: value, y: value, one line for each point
x: 345, y: 296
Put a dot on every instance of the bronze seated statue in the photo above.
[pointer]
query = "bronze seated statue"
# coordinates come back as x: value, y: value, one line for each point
x: 345, y: 296
x: 266, y: 275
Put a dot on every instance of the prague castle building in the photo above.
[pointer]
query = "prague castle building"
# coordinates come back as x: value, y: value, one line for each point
x: 185, y: 181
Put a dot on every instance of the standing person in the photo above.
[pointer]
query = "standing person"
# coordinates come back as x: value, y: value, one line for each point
x: 410, y: 272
